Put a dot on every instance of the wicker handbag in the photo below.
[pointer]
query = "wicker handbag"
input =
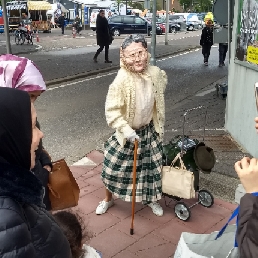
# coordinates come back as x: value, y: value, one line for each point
x: 178, y: 182
x: 63, y: 189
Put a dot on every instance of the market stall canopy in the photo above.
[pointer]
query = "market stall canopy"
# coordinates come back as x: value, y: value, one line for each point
x: 54, y: 7
x: 39, y: 5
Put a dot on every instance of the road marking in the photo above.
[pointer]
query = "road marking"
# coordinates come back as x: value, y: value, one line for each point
x: 196, y: 130
x: 203, y: 93
x: 84, y: 80
x: 108, y: 74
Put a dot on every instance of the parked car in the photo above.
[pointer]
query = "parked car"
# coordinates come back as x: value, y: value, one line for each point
x: 193, y: 22
x: 160, y: 23
x: 176, y: 23
x: 130, y: 24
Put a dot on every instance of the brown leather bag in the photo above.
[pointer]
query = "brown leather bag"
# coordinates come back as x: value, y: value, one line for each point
x: 63, y: 190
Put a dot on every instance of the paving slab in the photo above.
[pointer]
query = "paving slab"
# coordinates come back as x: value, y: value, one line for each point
x: 154, y: 236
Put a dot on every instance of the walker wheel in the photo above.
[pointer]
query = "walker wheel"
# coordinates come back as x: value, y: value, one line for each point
x: 182, y: 211
x: 205, y: 198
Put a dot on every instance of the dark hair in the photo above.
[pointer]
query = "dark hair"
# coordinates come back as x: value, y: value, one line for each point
x: 101, y: 11
x: 137, y: 38
x: 72, y: 227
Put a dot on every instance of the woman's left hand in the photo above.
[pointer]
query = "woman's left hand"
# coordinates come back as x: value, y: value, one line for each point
x: 48, y: 168
x: 247, y: 170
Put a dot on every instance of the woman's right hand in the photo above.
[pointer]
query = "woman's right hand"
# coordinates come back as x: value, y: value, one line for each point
x: 247, y: 170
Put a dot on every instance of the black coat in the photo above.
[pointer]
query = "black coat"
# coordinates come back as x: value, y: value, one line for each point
x: 61, y: 20
x: 102, y: 30
x: 207, y: 36
x: 247, y: 233
x: 27, y: 230
x: 43, y: 159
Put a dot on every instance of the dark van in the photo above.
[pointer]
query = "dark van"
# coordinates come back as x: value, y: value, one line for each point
x: 130, y: 24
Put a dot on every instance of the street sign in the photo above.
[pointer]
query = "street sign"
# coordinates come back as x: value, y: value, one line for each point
x: 86, y: 11
x: 146, y: 4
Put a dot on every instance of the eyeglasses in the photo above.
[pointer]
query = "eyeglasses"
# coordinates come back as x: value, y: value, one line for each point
x: 140, y: 54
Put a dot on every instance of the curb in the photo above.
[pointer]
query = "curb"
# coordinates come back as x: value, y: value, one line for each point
x: 108, y: 69
x: 38, y: 47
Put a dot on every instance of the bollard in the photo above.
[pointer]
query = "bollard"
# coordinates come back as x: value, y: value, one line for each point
x: 74, y: 34
x: 37, y: 36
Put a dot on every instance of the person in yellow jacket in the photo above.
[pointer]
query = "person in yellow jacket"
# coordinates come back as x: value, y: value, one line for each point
x: 135, y: 108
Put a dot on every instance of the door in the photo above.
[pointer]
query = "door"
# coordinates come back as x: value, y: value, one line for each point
x: 140, y: 26
x: 128, y: 25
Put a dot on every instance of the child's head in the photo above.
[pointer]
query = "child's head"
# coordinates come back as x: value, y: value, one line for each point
x: 209, y: 23
x: 71, y: 226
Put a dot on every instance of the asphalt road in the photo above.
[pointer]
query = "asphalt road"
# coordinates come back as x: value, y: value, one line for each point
x: 72, y: 115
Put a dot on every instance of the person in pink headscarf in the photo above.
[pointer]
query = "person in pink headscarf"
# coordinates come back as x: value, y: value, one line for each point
x: 21, y: 73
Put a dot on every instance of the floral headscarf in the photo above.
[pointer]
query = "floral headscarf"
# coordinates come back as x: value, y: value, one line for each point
x: 20, y: 73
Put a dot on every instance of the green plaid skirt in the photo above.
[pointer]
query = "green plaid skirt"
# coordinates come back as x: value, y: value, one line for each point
x: 117, y: 173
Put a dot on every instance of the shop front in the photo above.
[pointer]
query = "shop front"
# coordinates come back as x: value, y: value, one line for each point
x: 243, y: 74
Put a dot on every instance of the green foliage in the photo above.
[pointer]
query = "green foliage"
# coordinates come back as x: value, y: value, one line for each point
x: 197, y: 5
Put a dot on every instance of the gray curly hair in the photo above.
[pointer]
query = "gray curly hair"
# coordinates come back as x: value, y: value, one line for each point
x: 137, y: 38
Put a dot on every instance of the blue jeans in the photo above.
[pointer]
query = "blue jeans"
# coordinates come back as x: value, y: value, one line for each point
x: 223, y: 49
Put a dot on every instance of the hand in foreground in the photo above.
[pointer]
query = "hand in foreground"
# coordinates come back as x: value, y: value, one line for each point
x: 132, y: 137
x: 247, y: 170
x: 256, y: 123
x: 48, y: 168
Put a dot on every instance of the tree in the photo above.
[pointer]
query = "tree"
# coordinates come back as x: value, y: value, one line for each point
x: 186, y: 4
x: 197, y: 5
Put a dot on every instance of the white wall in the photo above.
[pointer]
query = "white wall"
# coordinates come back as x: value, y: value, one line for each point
x: 241, y: 108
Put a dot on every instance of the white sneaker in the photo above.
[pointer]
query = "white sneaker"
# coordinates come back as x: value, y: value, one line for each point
x: 156, y: 208
x: 103, y: 206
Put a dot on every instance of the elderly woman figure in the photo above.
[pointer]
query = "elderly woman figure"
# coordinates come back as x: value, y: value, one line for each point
x: 26, y: 228
x: 135, y: 108
x: 21, y: 73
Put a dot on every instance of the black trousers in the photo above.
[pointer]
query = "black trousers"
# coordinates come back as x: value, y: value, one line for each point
x: 206, y: 50
x: 223, y: 49
x: 62, y: 27
x: 100, y: 50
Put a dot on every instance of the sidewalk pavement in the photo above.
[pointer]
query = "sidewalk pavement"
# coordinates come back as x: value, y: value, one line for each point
x: 154, y: 237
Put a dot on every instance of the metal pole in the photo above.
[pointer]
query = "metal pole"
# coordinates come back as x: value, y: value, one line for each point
x: 167, y: 22
x: 229, y: 30
x: 6, y: 28
x: 153, y: 30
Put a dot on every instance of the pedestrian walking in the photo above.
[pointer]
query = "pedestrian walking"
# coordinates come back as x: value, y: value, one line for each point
x: 27, y: 229
x: 61, y: 21
x: 223, y: 49
x: 135, y: 108
x: 77, y: 23
x: 104, y: 37
x: 20, y: 73
x: 207, y: 41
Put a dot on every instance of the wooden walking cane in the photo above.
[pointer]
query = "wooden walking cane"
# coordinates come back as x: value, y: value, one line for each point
x: 134, y: 183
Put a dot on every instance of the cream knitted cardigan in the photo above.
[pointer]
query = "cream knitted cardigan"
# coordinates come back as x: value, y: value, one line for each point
x: 120, y: 102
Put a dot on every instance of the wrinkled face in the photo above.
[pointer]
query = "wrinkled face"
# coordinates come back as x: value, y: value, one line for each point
x: 34, y: 95
x: 135, y: 57
x: 36, y: 136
